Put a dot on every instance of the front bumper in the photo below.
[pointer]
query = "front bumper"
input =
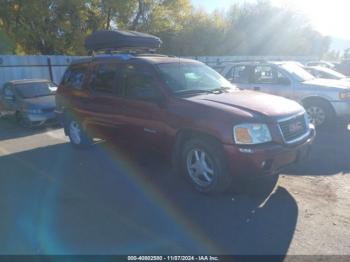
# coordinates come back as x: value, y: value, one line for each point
x: 42, y: 118
x: 264, y: 160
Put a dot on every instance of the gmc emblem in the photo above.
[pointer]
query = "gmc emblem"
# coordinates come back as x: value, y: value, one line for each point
x: 295, y: 127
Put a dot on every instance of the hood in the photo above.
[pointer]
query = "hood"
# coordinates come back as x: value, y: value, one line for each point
x: 328, y: 83
x: 40, y: 102
x: 256, y: 103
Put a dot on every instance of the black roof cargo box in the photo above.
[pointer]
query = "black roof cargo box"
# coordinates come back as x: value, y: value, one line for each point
x: 114, y: 40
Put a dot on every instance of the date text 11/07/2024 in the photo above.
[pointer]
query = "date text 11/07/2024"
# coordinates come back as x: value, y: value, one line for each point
x: 173, y: 258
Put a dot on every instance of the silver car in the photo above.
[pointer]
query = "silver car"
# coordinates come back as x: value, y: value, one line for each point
x: 323, y: 99
x: 327, y: 73
x: 32, y: 101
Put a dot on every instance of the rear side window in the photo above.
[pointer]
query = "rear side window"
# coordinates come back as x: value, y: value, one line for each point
x: 242, y: 74
x: 104, y: 78
x: 74, y: 77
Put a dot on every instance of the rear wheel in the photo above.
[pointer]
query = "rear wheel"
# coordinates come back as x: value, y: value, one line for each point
x: 204, y: 165
x: 77, y: 134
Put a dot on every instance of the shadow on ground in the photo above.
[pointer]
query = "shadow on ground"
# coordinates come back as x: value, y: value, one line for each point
x: 10, y: 129
x: 59, y: 200
x: 329, y: 155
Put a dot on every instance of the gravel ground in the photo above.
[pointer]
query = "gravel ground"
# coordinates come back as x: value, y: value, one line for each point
x: 58, y: 200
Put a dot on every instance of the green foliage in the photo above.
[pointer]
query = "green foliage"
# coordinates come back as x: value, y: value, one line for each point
x: 60, y: 26
x: 6, y: 45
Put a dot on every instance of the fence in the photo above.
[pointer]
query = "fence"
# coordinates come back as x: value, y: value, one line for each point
x: 27, y: 67
x: 52, y: 67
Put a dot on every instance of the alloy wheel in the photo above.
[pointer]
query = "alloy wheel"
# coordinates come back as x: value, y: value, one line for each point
x: 316, y: 115
x: 200, y: 167
x: 75, y: 132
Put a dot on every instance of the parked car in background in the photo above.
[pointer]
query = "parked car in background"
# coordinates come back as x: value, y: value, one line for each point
x: 324, y: 72
x: 213, y: 131
x: 321, y: 63
x: 344, y: 67
x: 323, y: 99
x: 32, y: 101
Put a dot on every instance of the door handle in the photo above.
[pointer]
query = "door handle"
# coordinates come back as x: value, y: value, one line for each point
x: 256, y: 88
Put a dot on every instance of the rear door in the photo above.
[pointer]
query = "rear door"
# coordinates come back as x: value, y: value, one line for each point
x: 103, y: 104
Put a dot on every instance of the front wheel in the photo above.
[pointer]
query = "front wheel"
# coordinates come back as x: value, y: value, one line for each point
x: 77, y: 135
x: 23, y: 120
x: 204, y: 165
x: 319, y: 113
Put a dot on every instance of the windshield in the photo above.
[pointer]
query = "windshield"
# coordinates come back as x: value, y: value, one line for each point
x: 331, y: 73
x: 186, y: 78
x: 298, y: 73
x: 30, y: 90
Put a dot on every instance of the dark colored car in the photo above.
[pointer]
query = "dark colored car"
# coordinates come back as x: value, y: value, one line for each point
x: 32, y: 101
x: 213, y: 131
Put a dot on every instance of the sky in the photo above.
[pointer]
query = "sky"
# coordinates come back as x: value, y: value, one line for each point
x: 329, y: 17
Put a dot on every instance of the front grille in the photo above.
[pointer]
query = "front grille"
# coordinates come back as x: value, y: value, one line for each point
x: 293, y: 128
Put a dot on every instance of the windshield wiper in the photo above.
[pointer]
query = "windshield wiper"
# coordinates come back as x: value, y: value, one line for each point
x: 192, y: 91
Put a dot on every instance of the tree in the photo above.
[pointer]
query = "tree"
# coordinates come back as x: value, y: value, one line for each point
x: 6, y: 45
x: 60, y: 26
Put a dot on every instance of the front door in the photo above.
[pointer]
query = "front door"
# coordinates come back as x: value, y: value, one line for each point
x: 144, y: 111
x: 269, y: 79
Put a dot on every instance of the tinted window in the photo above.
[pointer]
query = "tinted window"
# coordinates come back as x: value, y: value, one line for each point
x: 242, y: 74
x: 139, y: 82
x: 104, y: 78
x: 269, y: 75
x: 74, y: 77
x: 30, y: 90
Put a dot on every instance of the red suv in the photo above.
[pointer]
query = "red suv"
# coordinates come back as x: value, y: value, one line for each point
x: 213, y: 131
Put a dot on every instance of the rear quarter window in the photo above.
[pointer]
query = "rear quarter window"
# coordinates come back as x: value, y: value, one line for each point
x: 74, y: 77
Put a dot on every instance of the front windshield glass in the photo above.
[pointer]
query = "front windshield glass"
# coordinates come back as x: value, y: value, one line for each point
x: 30, y: 90
x: 187, y: 78
x: 299, y: 73
x: 331, y: 72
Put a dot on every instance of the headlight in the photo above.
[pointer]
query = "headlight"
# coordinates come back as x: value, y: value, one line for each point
x: 344, y: 95
x: 33, y: 111
x: 249, y: 134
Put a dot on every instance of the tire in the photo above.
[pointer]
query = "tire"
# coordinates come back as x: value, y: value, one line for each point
x: 320, y: 113
x: 77, y: 134
x: 22, y: 120
x: 204, y: 165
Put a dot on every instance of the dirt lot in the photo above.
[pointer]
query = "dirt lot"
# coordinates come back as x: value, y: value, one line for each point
x: 58, y: 200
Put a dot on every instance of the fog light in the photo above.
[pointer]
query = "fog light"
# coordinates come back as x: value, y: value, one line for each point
x: 348, y: 126
x: 263, y: 164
